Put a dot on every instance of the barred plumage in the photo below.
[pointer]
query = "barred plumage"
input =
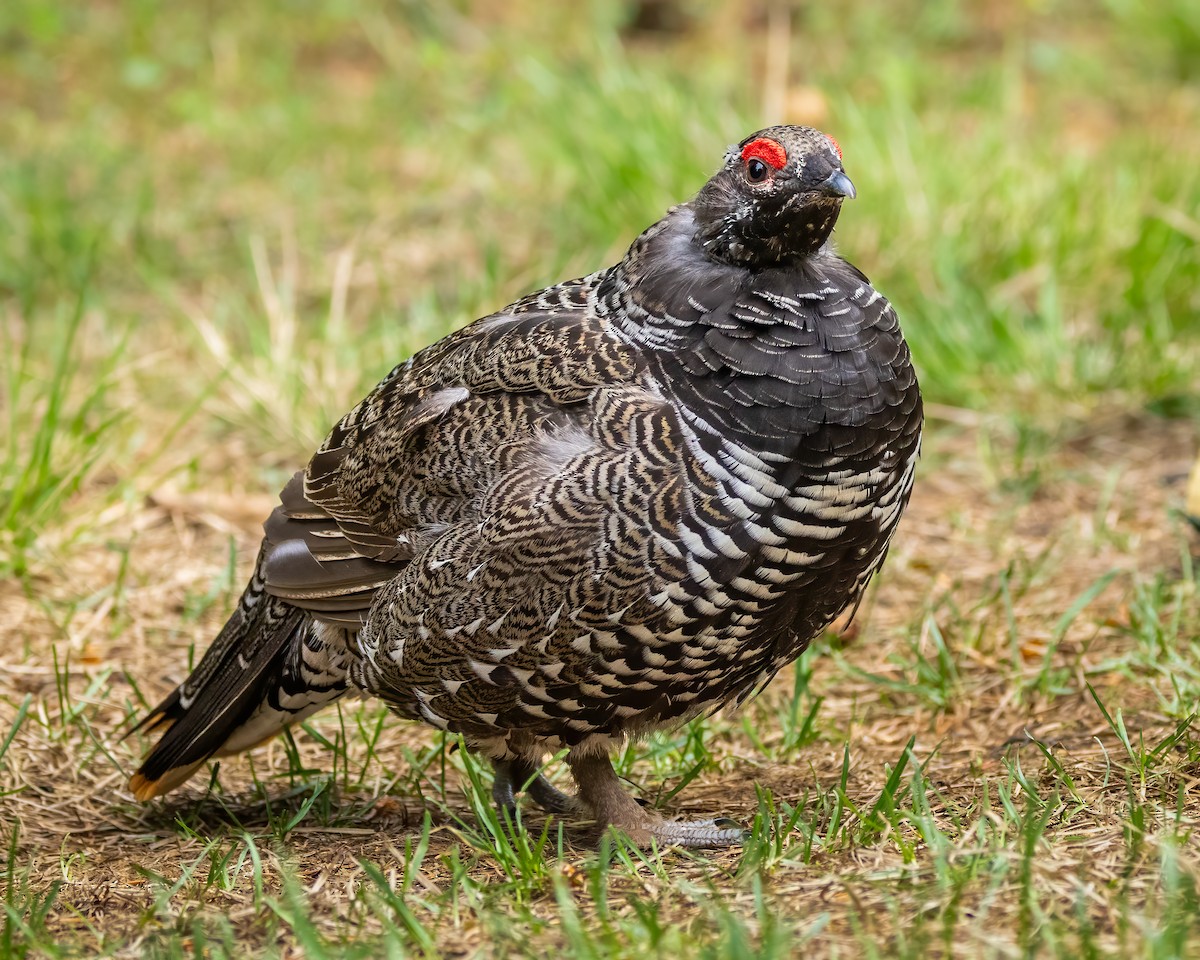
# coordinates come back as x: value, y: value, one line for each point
x: 619, y: 503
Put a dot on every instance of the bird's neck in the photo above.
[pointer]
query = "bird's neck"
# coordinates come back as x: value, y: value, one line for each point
x: 760, y: 236
x: 762, y: 357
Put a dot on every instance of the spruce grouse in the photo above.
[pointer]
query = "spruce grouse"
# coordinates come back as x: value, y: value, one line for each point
x: 618, y: 504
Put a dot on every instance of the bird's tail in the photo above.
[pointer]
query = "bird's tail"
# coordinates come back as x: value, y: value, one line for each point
x: 270, y: 666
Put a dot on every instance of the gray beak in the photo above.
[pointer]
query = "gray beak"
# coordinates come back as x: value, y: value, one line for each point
x: 838, y: 185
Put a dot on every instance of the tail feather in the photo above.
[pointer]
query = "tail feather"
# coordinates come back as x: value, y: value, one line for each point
x: 268, y: 667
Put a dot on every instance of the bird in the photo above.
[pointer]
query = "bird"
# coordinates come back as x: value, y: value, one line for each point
x: 616, y: 505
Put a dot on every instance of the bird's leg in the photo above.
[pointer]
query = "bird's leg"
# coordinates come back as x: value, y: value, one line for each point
x: 545, y: 794
x: 502, y: 789
x: 513, y: 775
x: 601, y: 790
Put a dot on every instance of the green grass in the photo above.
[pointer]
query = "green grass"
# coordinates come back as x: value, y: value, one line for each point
x: 221, y: 223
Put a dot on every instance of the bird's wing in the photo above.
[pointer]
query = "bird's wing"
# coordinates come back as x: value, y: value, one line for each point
x: 413, y: 457
x: 539, y: 604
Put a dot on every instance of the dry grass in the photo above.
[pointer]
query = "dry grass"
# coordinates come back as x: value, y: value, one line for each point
x: 119, y: 866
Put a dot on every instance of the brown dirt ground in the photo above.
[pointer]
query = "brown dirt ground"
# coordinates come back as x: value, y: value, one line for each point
x: 79, y: 825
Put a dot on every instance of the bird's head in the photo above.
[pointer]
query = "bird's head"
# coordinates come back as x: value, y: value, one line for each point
x: 775, y: 200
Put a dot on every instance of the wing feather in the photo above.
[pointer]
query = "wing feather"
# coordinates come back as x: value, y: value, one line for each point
x: 420, y: 451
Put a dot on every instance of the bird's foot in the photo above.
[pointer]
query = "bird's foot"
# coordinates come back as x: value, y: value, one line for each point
x: 601, y: 790
x: 514, y: 775
x: 550, y: 798
x: 696, y: 834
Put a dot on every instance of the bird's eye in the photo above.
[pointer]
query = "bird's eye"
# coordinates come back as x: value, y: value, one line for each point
x: 762, y: 156
x: 756, y: 170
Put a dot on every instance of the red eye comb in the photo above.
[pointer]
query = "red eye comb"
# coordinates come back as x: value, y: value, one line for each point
x: 836, y: 146
x: 768, y: 151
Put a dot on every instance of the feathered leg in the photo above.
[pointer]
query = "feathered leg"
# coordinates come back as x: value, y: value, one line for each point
x: 601, y: 790
x: 514, y: 775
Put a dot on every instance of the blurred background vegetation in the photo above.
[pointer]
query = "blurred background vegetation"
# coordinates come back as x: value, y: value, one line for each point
x: 220, y: 215
x: 221, y: 222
